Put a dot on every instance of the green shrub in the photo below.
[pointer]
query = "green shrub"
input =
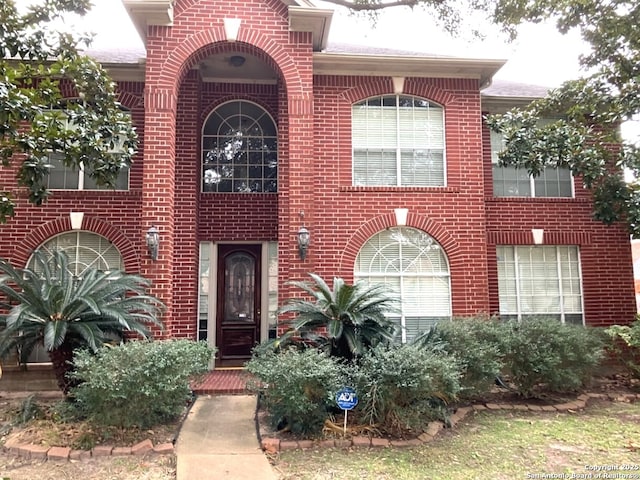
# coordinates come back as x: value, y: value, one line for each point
x: 477, y: 344
x: 625, y: 345
x: 139, y: 383
x: 345, y: 320
x: 297, y: 387
x: 546, y: 354
x: 402, y: 388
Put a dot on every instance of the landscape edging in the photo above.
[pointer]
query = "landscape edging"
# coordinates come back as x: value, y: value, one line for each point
x: 41, y: 452
x: 272, y: 445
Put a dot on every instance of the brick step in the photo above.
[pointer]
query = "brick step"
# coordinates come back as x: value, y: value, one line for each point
x: 223, y: 381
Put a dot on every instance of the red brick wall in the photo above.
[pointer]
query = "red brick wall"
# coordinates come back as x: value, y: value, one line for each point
x: 346, y: 216
x: 635, y: 253
x: 104, y: 211
x: 171, y: 53
x: 314, y: 142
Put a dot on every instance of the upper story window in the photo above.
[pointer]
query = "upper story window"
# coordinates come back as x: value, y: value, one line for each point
x: 415, y: 268
x: 239, y: 149
x: 66, y: 177
x: 398, y: 140
x: 510, y: 181
x: 62, y: 177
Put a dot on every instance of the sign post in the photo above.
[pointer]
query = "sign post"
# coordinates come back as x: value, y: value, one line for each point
x: 346, y: 399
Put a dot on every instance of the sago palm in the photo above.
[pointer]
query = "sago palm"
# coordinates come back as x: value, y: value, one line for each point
x: 48, y: 306
x: 347, y: 319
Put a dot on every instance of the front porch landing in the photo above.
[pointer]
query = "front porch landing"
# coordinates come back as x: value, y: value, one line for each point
x: 223, y: 381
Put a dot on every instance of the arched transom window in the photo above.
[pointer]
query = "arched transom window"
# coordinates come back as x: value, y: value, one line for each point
x: 415, y: 268
x: 85, y: 250
x: 239, y: 149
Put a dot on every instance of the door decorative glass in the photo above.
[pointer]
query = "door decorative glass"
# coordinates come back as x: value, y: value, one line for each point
x: 239, y: 288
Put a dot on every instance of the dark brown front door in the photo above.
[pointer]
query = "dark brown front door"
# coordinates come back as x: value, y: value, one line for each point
x: 238, y: 313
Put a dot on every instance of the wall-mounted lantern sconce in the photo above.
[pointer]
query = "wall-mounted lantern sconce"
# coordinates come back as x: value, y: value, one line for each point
x: 401, y: 216
x: 538, y: 236
x: 304, y: 238
x: 76, y: 220
x: 153, y: 242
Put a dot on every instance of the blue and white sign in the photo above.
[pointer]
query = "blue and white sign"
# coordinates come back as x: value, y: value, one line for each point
x: 346, y: 398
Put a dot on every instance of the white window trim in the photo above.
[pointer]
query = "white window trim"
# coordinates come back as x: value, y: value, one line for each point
x: 203, y: 150
x: 80, y: 172
x: 563, y: 313
x: 495, y: 149
x: 81, y: 177
x: 398, y: 149
x: 371, y: 278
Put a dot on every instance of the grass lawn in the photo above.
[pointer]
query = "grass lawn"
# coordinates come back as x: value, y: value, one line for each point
x: 501, y: 445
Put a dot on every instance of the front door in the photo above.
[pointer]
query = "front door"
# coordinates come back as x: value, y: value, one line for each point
x: 238, y: 312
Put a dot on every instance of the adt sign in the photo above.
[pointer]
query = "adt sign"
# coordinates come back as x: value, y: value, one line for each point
x: 346, y: 398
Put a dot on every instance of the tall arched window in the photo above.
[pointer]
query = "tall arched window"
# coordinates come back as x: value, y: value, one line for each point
x: 239, y: 149
x: 414, y: 266
x: 85, y: 250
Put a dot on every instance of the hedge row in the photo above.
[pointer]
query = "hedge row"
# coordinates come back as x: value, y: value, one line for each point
x: 403, y: 387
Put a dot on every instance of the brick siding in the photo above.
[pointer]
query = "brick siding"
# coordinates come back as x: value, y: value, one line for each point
x: 313, y: 114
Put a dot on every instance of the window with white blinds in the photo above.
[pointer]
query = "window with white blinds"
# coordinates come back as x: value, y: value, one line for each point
x: 398, y: 140
x: 85, y: 251
x: 64, y: 177
x: 540, y: 281
x: 415, y: 268
x: 510, y: 181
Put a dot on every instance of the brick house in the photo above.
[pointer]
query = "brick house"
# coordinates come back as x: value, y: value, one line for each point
x: 255, y: 129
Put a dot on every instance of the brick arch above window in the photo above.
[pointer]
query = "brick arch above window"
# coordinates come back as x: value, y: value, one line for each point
x: 41, y: 234
x: 384, y: 86
x: 367, y: 230
x: 130, y: 101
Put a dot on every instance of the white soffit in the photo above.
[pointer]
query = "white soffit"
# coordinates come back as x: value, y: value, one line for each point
x: 395, y: 66
x: 314, y: 20
x: 149, y: 12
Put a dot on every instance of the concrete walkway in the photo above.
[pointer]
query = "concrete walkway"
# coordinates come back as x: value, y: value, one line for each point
x: 218, y: 440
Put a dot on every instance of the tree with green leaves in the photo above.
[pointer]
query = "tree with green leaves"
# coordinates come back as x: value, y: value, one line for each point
x: 37, y: 63
x: 345, y: 320
x: 585, y: 137
x: 48, y: 306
